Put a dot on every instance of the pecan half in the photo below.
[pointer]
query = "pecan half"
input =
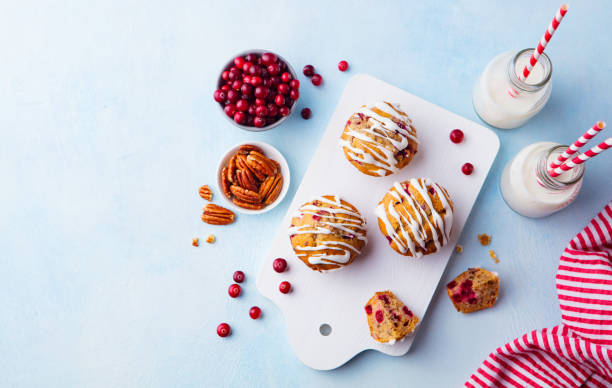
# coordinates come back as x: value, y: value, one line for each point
x: 260, y: 163
x: 248, y: 205
x: 275, y: 191
x: 205, y: 193
x: 267, y: 185
x: 225, y: 183
x: 245, y: 149
x: 243, y: 164
x: 245, y: 195
x: 231, y: 169
x: 246, y: 179
x: 217, y: 215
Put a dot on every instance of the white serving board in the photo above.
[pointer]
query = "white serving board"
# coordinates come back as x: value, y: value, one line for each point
x: 338, y: 297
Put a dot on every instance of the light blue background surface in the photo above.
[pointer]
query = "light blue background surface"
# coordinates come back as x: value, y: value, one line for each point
x: 109, y: 127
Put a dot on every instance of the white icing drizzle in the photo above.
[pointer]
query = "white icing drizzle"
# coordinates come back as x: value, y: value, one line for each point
x: 416, y: 224
x: 378, y: 154
x: 341, y: 225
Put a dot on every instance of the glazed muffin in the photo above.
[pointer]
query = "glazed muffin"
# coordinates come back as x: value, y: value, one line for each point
x: 416, y: 217
x: 327, y: 233
x: 473, y: 290
x: 379, y: 140
x: 389, y: 319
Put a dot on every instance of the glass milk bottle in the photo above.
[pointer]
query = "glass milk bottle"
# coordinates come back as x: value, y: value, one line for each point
x: 502, y: 99
x: 527, y: 187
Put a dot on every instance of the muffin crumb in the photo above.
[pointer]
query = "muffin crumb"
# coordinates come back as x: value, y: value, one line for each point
x: 210, y: 239
x: 459, y: 248
x: 484, y: 239
x: 493, y: 256
x: 195, y: 242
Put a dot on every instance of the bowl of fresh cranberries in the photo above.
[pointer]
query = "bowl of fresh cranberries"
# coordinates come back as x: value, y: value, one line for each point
x: 257, y: 90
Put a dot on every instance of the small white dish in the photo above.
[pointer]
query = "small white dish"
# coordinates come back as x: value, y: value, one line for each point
x: 271, y: 153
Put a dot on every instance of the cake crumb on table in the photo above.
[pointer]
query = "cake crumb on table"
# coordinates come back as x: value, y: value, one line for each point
x: 493, y: 256
x: 484, y: 239
x: 459, y: 248
x: 210, y: 239
x: 195, y: 242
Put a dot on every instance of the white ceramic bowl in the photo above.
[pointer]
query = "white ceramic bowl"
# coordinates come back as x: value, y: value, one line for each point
x: 220, y: 82
x: 271, y: 153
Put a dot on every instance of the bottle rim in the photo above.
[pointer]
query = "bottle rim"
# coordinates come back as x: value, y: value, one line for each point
x: 554, y: 182
x: 522, y: 85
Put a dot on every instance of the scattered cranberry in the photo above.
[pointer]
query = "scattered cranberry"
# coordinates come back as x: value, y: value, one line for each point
x: 306, y: 113
x: 284, y: 111
x: 279, y: 100
x: 255, y: 312
x: 308, y: 70
x: 259, y: 122
x: 284, y: 287
x: 239, y: 276
x: 316, y: 79
x: 294, y: 84
x: 234, y: 290
x: 286, y: 77
x: 467, y: 169
x: 223, y: 330
x: 294, y: 94
x: 456, y: 136
x: 342, y: 65
x: 279, y: 265
x: 283, y: 88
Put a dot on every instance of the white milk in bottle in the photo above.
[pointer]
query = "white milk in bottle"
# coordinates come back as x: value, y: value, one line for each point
x: 502, y: 99
x: 527, y: 187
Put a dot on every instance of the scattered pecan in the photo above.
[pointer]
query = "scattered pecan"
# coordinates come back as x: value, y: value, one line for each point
x: 217, y: 215
x: 206, y: 193
x: 245, y: 195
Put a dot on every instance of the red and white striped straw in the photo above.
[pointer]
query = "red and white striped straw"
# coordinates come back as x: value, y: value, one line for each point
x: 550, y: 31
x: 604, y: 145
x: 582, y: 140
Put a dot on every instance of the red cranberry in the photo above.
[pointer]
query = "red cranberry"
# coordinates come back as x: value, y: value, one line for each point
x: 239, y: 61
x: 223, y: 330
x: 272, y: 110
x: 230, y: 109
x: 246, y: 66
x: 284, y: 111
x: 236, y: 85
x: 268, y: 58
x: 259, y: 122
x: 246, y: 89
x: 252, y: 110
x: 407, y: 311
x: 246, y: 79
x: 274, y: 69
x: 234, y: 290
x: 279, y: 100
x: 220, y: 95
x: 255, y: 70
x: 232, y: 95
x: 368, y: 309
x: 226, y: 88
x: 260, y: 102
x: 294, y: 94
x: 240, y: 117
x: 279, y: 265
x: 256, y: 80
x: 261, y: 92
x: 306, y: 113
x: 239, y: 276
x: 452, y: 284
x: 261, y: 111
x: 274, y: 81
x: 456, y: 136
x: 294, y: 84
x: 308, y: 70
x: 225, y: 75
x: 255, y: 312
x: 242, y: 105
x: 286, y: 77
x: 251, y: 57
x: 284, y: 287
x: 317, y: 79
x: 342, y: 65
x: 283, y: 88
x: 266, y: 82
x: 232, y: 76
x: 379, y: 316
x: 467, y: 169
x: 249, y: 120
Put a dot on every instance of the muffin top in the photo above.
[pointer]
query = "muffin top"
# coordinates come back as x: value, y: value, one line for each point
x: 380, y: 139
x: 416, y: 216
x: 327, y: 233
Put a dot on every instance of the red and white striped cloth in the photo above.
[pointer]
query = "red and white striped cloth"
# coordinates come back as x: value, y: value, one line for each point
x: 577, y: 353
